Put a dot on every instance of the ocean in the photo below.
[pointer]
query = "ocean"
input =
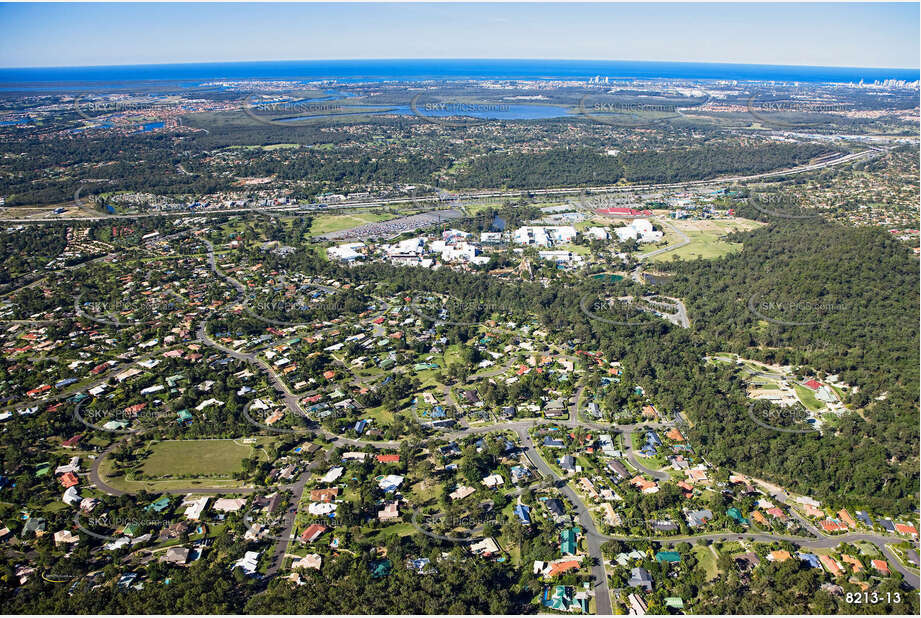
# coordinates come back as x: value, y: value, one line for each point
x: 455, y: 69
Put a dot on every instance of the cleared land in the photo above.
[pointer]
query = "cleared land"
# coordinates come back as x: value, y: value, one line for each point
x: 196, y: 457
x: 323, y: 224
x: 177, y: 464
x: 706, y: 238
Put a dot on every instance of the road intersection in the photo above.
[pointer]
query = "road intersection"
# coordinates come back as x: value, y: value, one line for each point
x: 593, y: 538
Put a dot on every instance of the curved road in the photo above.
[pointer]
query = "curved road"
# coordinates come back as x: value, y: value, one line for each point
x: 594, y: 539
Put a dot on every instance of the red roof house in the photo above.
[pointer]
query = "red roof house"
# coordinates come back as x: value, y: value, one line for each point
x: 906, y: 529
x: 313, y: 532
x: 880, y: 565
x: 72, y: 442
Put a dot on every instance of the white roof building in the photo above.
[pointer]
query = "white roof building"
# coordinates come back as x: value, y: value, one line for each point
x: 73, y: 466
x: 249, y: 562
x: 71, y: 496
x: 390, y: 482
x: 544, y: 236
x: 461, y: 492
x: 321, y: 508
x: 639, y: 230
x: 561, y: 257
x: 66, y: 537
x: 254, y: 533
x: 486, y: 546
x: 310, y: 561
x: 598, y: 233
x: 462, y: 251
x: 493, y: 480
x: 208, y: 402
x: 229, y: 505
x: 117, y: 543
x: 333, y: 474
x: 607, y: 445
x: 409, y: 246
x: 195, y: 508
x: 825, y: 395
x: 347, y: 252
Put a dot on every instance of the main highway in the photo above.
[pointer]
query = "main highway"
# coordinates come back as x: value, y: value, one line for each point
x: 479, y: 195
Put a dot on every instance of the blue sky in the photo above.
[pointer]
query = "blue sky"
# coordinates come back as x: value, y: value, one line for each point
x: 858, y: 35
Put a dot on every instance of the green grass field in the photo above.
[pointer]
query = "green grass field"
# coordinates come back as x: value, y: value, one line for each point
x: 323, y: 224
x: 807, y: 397
x: 707, y: 561
x: 190, y: 463
x: 706, y: 242
x: 703, y: 245
x: 382, y: 416
x: 270, y: 147
x: 196, y: 457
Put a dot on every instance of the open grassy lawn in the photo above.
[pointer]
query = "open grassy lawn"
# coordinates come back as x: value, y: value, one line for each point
x: 323, y: 224
x: 382, y: 416
x: 402, y: 529
x: 577, y: 249
x: 269, y: 147
x: 475, y: 207
x: 452, y: 354
x: 731, y: 547
x: 868, y: 549
x: 707, y: 561
x: 188, y: 463
x: 807, y: 397
x: 705, y: 238
x: 424, y: 492
x: 196, y: 457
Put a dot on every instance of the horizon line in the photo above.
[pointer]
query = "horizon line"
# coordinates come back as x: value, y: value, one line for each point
x: 384, y: 59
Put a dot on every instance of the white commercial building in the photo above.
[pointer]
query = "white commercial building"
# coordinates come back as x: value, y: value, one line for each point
x: 561, y: 257
x: 410, y: 246
x: 194, y: 508
x: 347, y: 252
x: 597, y: 233
x: 639, y: 230
x: 544, y: 236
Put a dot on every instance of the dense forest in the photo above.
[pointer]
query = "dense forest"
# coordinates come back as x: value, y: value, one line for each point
x: 569, y: 167
x: 24, y: 252
x: 145, y: 163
